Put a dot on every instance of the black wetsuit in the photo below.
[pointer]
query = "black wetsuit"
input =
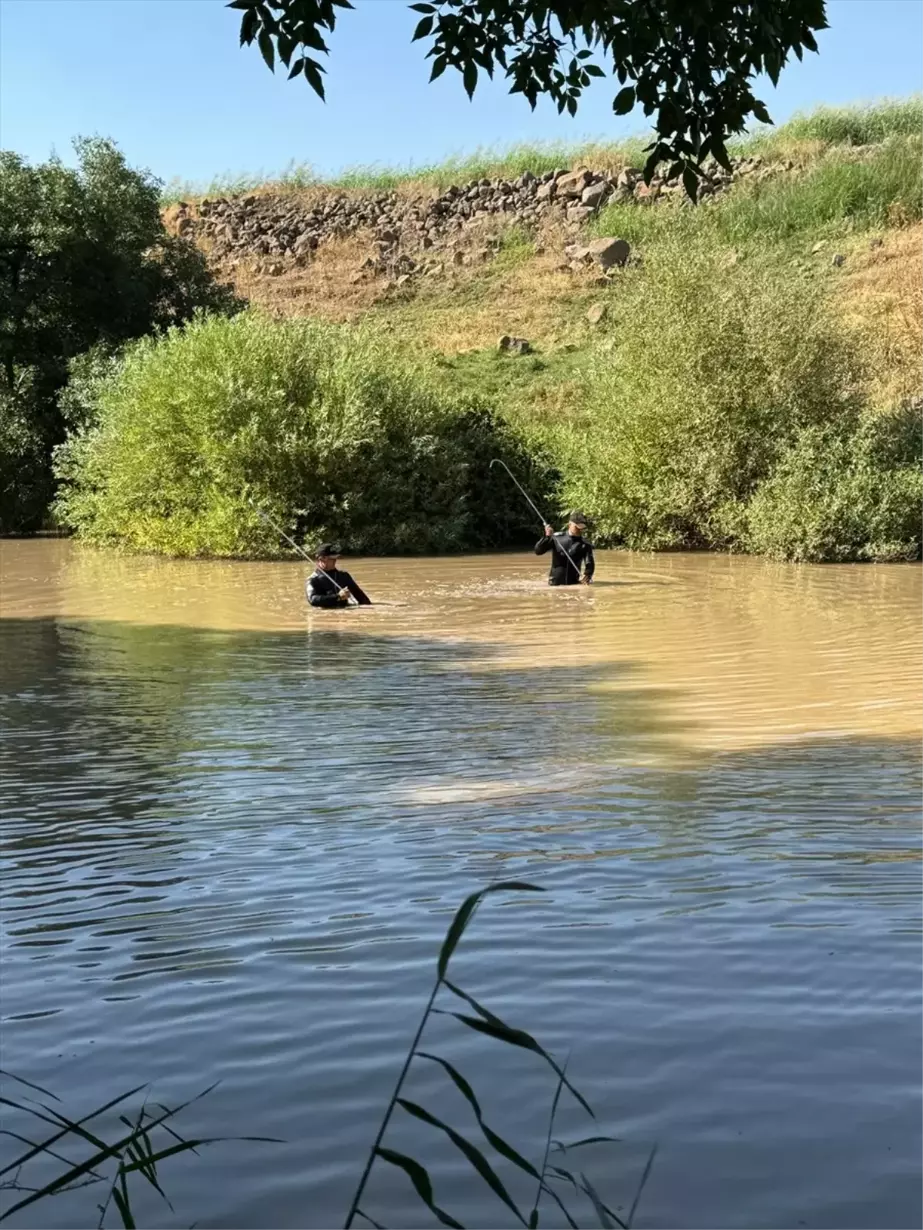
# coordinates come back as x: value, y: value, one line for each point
x: 567, y: 547
x: 323, y: 588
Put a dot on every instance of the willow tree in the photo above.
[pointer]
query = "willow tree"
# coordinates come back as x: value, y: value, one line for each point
x: 690, y: 65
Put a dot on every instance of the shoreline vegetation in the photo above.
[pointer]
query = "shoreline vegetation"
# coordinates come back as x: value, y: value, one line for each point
x: 748, y: 379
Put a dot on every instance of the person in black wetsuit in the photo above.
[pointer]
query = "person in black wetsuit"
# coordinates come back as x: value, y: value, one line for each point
x: 328, y: 586
x: 569, y: 551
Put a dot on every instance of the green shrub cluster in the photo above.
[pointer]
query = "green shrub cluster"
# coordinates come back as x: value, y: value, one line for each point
x: 727, y: 412
x: 319, y: 425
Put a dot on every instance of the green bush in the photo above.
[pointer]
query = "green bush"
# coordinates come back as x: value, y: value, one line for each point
x: 844, y: 495
x: 25, y: 481
x: 711, y: 370
x: 320, y: 425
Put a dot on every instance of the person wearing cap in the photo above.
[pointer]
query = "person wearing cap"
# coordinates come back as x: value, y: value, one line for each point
x: 328, y: 586
x: 569, y: 552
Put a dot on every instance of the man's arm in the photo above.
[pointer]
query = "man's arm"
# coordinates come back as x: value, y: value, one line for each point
x: 357, y: 591
x: 546, y: 543
x: 325, y: 598
x: 589, y: 563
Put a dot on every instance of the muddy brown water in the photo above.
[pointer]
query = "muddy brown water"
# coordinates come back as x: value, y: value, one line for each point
x: 235, y: 831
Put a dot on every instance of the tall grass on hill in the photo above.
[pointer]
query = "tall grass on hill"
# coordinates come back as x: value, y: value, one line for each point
x: 835, y: 196
x: 859, y: 124
x: 321, y: 426
x: 826, y: 127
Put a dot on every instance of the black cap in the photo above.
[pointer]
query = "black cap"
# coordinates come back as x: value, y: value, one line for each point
x: 576, y: 517
x: 327, y: 548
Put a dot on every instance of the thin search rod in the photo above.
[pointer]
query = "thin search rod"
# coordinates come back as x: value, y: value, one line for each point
x: 497, y: 462
x: 351, y: 600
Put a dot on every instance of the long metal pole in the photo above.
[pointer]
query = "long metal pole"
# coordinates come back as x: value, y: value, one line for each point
x: 350, y: 601
x: 497, y: 462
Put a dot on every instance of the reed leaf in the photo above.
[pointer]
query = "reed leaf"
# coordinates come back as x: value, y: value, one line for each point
x: 503, y: 1147
x: 474, y: 1155
x: 603, y: 1212
x: 466, y: 910
x: 421, y: 1181
x: 644, y: 1178
x: 518, y: 1037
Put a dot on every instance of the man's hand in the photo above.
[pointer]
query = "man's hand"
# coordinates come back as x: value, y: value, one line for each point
x: 548, y: 531
x: 586, y: 580
x: 343, y: 595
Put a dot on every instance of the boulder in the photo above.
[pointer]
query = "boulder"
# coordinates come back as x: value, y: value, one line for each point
x: 578, y: 214
x: 596, y: 313
x: 606, y: 252
x: 595, y: 194
x: 572, y: 185
x: 513, y: 345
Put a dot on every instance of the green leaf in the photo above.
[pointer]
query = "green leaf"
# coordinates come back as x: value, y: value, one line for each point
x: 759, y: 110
x: 470, y: 78
x: 439, y: 67
x: 421, y: 1181
x: 506, y: 1150
x: 518, y: 1037
x: 297, y: 67
x: 249, y: 25
x: 624, y: 100
x: 312, y: 73
x: 587, y: 1140
x: 593, y: 70
x: 471, y: 1152
x: 607, y: 1219
x: 264, y: 42
x: 424, y: 26
x: 644, y: 1178
x: 466, y: 909
x: 691, y: 183
x: 124, y: 1207
x: 423, y: 8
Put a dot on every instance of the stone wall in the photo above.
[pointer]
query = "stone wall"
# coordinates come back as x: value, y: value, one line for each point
x: 411, y: 232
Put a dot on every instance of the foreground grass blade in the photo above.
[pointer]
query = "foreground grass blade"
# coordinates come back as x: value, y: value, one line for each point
x: 644, y: 1178
x: 370, y: 1220
x: 471, y: 1152
x: 603, y: 1212
x: 465, y: 911
x: 22, y: 1081
x: 110, y: 1151
x: 71, y: 1127
x: 518, y: 1037
x: 502, y: 1146
x: 421, y: 1181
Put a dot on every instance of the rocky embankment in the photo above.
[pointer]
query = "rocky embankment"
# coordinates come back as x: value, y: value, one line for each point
x: 419, y: 233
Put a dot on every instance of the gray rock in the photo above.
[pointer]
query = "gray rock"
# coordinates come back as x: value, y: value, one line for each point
x: 573, y: 185
x: 579, y: 213
x: 838, y: 260
x: 596, y: 313
x: 606, y: 252
x: 514, y: 345
x: 595, y: 194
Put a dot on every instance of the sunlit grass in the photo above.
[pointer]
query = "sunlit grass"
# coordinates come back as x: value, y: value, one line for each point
x: 823, y: 128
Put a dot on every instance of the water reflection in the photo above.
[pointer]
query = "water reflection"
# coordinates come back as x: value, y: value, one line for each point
x: 230, y: 853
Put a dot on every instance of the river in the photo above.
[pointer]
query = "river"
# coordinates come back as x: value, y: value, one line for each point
x: 235, y: 833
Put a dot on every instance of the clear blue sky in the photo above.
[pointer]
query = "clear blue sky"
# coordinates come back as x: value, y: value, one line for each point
x: 167, y: 81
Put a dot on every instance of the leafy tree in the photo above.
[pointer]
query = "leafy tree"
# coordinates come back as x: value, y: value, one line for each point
x: 84, y: 259
x: 688, y: 63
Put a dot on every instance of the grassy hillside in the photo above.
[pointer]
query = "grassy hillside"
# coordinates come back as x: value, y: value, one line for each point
x: 750, y: 379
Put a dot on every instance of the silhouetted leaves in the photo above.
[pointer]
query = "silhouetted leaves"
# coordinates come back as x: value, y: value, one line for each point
x: 691, y: 64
